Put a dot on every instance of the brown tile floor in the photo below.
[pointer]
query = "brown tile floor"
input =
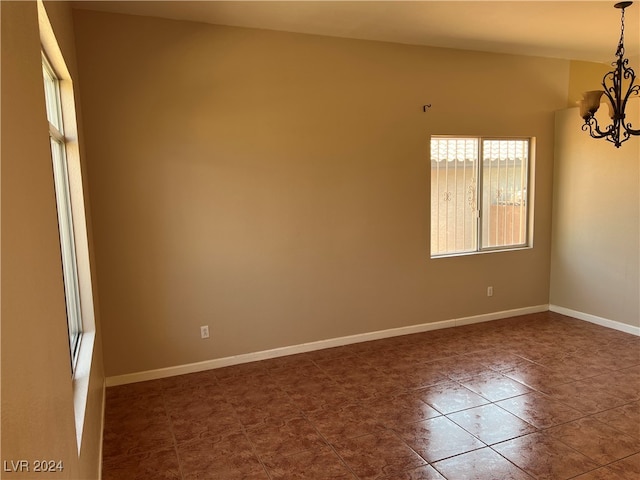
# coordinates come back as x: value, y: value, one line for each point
x: 536, y: 396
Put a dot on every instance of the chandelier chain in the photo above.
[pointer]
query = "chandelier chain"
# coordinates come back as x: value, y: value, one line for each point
x: 620, y: 51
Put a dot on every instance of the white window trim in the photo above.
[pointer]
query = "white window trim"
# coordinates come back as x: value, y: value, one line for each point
x: 480, y: 249
x: 84, y: 356
x: 65, y: 214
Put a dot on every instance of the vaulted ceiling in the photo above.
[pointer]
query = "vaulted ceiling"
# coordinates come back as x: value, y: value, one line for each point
x: 581, y: 30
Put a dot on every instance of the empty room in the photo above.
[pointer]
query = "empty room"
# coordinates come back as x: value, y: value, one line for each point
x: 323, y: 240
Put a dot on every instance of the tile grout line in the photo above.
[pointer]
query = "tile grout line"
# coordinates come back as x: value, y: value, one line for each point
x: 326, y: 440
x: 382, y: 393
x: 171, y: 429
x: 244, y: 432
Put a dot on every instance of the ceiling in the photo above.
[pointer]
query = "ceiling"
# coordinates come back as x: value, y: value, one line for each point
x: 580, y: 30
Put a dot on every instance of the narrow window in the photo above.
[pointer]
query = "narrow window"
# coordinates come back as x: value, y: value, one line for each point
x: 478, y: 194
x: 63, y: 203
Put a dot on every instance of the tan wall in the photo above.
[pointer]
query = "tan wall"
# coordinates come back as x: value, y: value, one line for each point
x: 37, y: 402
x: 275, y: 186
x: 596, y: 239
x: 585, y: 76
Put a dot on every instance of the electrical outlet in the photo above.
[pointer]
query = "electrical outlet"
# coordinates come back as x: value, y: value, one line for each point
x: 489, y: 291
x: 204, y: 331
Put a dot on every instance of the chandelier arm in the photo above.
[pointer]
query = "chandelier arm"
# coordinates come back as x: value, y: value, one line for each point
x: 630, y: 75
x: 631, y: 131
x: 592, y: 125
x: 611, y: 94
x: 632, y: 90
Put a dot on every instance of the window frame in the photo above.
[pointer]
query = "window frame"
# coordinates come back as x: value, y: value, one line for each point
x: 58, y: 142
x: 479, y: 172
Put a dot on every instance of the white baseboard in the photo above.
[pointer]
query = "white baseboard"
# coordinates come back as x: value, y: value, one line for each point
x: 604, y: 322
x: 312, y: 346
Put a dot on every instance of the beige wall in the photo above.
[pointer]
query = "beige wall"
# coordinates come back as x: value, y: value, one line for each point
x: 584, y: 76
x: 37, y: 393
x: 596, y: 240
x: 275, y: 186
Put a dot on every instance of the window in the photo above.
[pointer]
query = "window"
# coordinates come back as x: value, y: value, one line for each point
x: 479, y: 192
x: 63, y: 203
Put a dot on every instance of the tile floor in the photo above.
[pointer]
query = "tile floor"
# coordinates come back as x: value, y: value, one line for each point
x: 536, y: 396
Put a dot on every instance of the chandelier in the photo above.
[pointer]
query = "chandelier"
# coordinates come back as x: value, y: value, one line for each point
x: 619, y: 85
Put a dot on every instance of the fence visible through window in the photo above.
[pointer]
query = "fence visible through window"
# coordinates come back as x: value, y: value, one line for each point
x: 478, y: 205
x: 504, y: 199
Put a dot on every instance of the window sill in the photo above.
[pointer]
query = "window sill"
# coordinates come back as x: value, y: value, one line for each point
x: 482, y: 252
x: 81, y: 382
